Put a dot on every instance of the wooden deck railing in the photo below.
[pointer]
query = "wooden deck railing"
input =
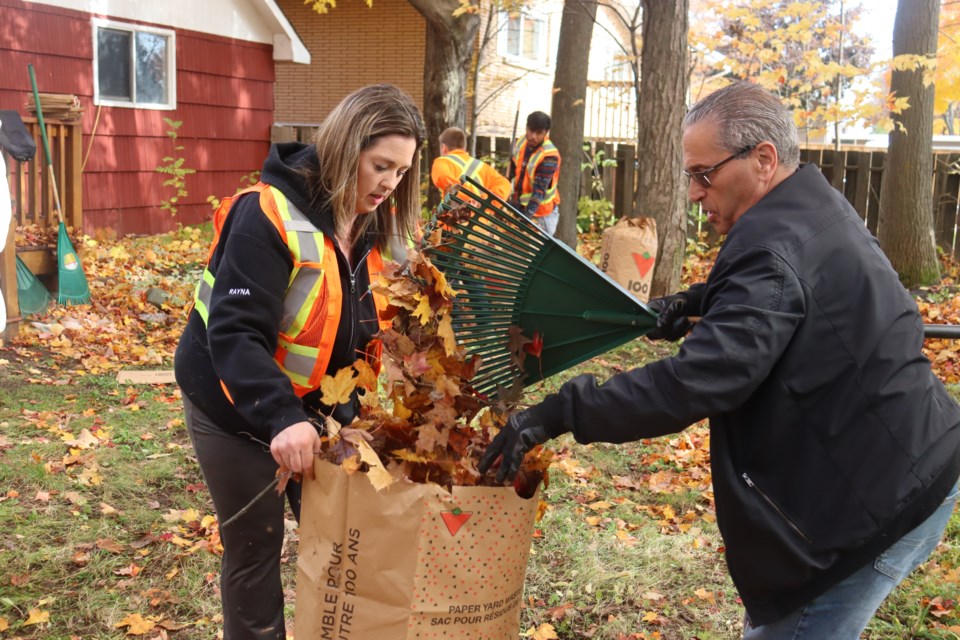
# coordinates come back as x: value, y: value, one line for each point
x: 32, y: 203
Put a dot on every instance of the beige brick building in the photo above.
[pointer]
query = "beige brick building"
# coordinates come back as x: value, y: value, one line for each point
x: 352, y: 46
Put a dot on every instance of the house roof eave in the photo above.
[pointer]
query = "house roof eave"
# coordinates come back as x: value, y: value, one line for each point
x: 287, y: 45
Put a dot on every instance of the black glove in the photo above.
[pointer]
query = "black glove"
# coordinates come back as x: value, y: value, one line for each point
x: 523, y: 431
x: 672, y: 322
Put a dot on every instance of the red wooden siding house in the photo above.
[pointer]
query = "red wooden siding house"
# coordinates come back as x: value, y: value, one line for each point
x: 208, y: 64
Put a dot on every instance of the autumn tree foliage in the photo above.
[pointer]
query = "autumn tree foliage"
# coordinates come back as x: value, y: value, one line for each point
x: 804, y: 50
x: 946, y: 106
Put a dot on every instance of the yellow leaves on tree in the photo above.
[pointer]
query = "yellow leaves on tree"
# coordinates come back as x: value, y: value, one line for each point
x: 324, y: 6
x: 946, y: 105
x: 799, y: 49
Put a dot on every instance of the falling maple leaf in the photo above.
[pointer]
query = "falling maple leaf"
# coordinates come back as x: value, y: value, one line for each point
x: 535, y: 346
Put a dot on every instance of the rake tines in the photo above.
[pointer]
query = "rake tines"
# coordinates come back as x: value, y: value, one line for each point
x: 509, y: 276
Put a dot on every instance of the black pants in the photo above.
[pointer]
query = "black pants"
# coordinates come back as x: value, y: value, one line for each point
x: 236, y: 469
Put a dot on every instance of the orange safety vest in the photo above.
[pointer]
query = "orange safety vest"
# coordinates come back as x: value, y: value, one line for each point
x: 467, y: 170
x: 312, y: 302
x: 552, y: 196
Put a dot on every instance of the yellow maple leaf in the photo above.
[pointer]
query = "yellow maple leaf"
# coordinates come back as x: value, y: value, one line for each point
x: 367, y: 377
x: 703, y: 594
x: 85, y: 441
x: 4, y: 625
x: 545, y: 631
x: 445, y: 331
x: 136, y: 624
x: 408, y: 456
x: 37, y: 616
x: 337, y: 389
x: 401, y: 411
x: 423, y: 311
x: 380, y: 478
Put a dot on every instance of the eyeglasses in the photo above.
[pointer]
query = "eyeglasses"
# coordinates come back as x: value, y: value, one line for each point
x: 702, y: 176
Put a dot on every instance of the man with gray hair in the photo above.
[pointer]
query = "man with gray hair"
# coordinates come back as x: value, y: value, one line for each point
x: 835, y: 450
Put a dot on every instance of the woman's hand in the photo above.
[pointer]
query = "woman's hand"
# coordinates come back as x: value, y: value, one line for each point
x: 295, y: 448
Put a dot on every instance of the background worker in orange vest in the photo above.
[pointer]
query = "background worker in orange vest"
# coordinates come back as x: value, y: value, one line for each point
x: 454, y: 163
x: 535, y: 169
x: 267, y: 324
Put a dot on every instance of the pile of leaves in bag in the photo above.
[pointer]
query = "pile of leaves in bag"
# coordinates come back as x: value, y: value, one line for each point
x: 427, y: 424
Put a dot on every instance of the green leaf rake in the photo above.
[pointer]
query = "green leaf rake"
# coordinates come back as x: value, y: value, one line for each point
x: 513, y: 279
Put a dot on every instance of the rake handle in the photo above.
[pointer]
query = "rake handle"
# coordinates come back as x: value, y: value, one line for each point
x: 46, y: 143
x: 947, y: 331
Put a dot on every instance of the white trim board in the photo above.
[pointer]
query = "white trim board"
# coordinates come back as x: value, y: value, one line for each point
x: 251, y: 20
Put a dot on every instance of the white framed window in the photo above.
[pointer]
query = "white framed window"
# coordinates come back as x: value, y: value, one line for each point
x: 523, y: 38
x: 134, y: 66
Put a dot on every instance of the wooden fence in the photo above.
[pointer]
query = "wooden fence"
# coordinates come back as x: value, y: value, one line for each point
x: 31, y: 195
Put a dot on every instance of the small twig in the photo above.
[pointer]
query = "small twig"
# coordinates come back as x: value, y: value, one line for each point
x: 257, y: 440
x: 250, y: 504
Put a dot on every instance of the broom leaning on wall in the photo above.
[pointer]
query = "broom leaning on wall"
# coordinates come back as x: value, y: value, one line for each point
x: 73, y: 282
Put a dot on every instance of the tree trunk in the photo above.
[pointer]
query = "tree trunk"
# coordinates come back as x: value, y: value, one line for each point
x: 906, y: 194
x: 449, y: 48
x: 568, y: 107
x: 663, y: 85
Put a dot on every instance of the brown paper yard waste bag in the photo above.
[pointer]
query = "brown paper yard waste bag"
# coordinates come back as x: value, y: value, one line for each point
x: 411, y: 561
x: 629, y: 253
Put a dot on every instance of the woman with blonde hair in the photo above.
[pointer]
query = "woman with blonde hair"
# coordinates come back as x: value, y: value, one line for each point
x: 285, y: 299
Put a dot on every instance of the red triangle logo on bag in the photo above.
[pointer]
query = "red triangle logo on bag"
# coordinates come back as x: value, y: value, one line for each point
x: 644, y: 262
x: 455, y: 519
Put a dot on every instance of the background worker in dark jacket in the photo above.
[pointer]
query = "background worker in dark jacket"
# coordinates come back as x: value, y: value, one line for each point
x: 535, y: 170
x: 835, y: 450
x: 268, y: 324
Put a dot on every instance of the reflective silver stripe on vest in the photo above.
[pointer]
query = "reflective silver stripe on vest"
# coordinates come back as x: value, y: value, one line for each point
x: 299, y: 364
x: 471, y: 169
x: 310, y: 242
x: 203, y: 294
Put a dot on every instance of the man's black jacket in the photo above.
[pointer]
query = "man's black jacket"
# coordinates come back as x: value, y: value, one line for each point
x: 830, y: 435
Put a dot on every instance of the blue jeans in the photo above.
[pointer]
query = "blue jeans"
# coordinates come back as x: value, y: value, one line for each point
x: 842, y: 613
x: 548, y: 222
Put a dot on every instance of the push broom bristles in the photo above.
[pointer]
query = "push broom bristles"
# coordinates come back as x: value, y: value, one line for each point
x: 509, y: 275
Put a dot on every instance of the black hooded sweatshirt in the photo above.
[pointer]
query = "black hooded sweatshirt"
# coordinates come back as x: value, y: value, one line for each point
x: 252, y: 267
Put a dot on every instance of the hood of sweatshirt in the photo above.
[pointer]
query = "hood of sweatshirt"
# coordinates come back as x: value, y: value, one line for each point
x: 285, y: 169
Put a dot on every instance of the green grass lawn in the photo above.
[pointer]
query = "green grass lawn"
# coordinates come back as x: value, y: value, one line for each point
x: 106, y: 529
